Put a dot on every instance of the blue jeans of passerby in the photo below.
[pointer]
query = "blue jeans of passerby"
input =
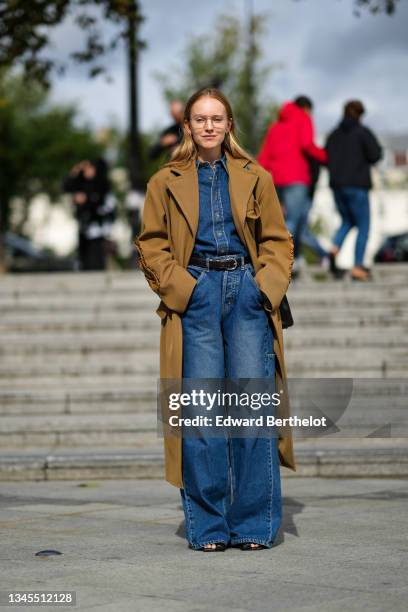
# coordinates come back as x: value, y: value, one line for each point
x: 297, y: 203
x: 232, y: 489
x: 295, y: 198
x: 354, y: 208
x: 309, y: 239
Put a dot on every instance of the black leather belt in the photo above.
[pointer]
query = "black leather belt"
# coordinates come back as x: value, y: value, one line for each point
x: 229, y: 263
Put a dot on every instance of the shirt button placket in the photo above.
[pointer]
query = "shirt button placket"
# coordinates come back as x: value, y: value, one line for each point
x: 223, y: 239
x: 214, y: 210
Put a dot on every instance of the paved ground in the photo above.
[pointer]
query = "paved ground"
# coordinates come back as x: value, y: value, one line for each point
x: 343, y: 546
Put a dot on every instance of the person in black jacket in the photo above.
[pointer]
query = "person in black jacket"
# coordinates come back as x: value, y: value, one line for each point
x: 171, y: 136
x: 352, y: 148
x: 94, y: 207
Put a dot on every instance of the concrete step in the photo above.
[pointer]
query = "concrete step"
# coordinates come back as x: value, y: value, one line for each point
x: 378, y: 269
x: 362, y: 414
x: 376, y: 411
x: 80, y: 322
x: 84, y: 367
x: 141, y: 428
x: 70, y: 407
x: 77, y: 363
x: 105, y: 400
x: 332, y: 291
x: 117, y: 278
x: 21, y: 348
x: 383, y: 417
x: 15, y: 348
x: 144, y: 299
x: 80, y: 362
x: 65, y: 281
x: 125, y: 286
x: 132, y: 319
x: 139, y: 296
x: 142, y: 302
x: 90, y: 384
x: 370, y: 457
x: 101, y: 401
x: 89, y: 381
x: 146, y: 304
x: 78, y: 429
x: 391, y: 337
x: 360, y: 403
x: 379, y: 272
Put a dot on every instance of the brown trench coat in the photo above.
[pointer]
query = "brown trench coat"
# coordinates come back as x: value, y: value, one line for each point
x: 165, y: 244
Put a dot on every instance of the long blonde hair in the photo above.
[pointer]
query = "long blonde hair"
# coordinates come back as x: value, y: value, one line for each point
x: 187, y: 150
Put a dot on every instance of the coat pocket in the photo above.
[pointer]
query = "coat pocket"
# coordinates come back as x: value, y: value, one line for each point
x: 254, y: 209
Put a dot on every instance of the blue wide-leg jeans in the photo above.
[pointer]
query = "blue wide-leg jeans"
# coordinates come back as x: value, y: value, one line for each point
x: 232, y: 489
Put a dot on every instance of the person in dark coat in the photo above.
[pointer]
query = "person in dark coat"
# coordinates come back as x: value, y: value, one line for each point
x: 171, y: 136
x: 352, y: 149
x: 94, y: 207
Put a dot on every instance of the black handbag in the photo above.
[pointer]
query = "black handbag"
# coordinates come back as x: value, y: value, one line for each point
x: 285, y: 313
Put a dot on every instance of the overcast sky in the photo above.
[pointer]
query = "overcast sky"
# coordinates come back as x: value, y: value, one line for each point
x: 326, y: 53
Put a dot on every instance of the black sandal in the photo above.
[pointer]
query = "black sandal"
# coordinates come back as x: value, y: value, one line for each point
x: 250, y: 546
x: 219, y: 547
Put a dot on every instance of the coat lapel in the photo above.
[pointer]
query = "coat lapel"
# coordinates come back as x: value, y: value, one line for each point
x: 241, y: 184
x: 184, y: 188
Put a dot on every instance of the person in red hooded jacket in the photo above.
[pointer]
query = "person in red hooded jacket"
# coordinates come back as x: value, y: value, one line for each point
x: 285, y: 153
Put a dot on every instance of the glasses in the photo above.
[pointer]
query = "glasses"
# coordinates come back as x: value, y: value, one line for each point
x: 200, y: 121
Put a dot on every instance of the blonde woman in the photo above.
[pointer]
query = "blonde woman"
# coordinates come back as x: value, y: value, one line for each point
x: 215, y: 248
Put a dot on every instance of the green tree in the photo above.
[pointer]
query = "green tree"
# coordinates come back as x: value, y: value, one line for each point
x: 377, y: 6
x: 26, y: 29
x: 26, y: 26
x: 38, y: 143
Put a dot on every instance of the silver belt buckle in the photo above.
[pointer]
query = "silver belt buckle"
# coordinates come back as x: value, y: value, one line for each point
x: 234, y: 264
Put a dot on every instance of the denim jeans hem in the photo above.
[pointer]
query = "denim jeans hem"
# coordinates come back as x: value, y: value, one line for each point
x: 255, y: 540
x: 216, y: 541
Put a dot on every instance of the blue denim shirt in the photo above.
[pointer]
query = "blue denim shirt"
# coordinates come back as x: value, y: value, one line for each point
x: 216, y: 232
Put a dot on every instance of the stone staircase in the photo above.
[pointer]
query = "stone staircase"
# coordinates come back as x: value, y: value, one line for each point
x: 79, y: 367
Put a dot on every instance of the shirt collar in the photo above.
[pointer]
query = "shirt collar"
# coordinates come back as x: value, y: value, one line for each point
x: 222, y: 160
